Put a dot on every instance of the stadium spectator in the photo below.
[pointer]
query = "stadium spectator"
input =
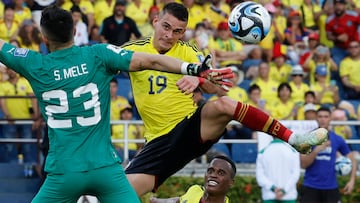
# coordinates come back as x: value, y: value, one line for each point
x: 254, y: 93
x: 250, y: 64
x: 118, y: 28
x: 138, y: 11
x: 313, y: 42
x: 326, y: 93
x: 8, y: 25
x: 267, y: 44
x: 279, y: 22
x: 102, y: 10
x: 216, y: 11
x: 29, y: 36
x: 267, y: 85
x: 196, y: 15
x: 320, y: 57
x: 87, y: 10
x: 342, y: 130
x: 289, y: 6
x: 289, y: 107
x: 134, y: 132
x: 22, y: 12
x: 219, y: 178
x: 309, y: 98
x: 72, y: 87
x: 17, y: 109
x: 297, y: 84
x: 295, y: 33
x: 279, y: 69
x: 81, y: 31
x: 148, y: 28
x: 278, y: 184
x: 327, y: 8
x: 320, y: 182
x: 341, y: 28
x: 166, y: 107
x: 94, y: 35
x: 227, y: 50
x: 310, y: 12
x: 117, y: 103
x: 202, y: 36
x: 276, y: 32
x: 349, y: 71
x: 310, y: 111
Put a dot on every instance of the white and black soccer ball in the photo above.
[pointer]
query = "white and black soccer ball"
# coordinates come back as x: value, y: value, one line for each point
x: 343, y: 166
x: 249, y: 22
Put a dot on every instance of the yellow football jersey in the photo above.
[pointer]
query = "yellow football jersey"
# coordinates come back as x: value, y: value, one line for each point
x: 118, y: 132
x: 17, y: 108
x: 350, y: 67
x: 194, y: 194
x: 298, y: 92
x: 160, y: 103
x: 117, y: 106
x: 280, y: 74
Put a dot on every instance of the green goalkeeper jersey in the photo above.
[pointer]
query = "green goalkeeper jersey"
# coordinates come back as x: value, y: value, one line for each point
x: 72, y: 88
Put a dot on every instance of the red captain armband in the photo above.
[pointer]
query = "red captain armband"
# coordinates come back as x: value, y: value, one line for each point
x: 201, y: 81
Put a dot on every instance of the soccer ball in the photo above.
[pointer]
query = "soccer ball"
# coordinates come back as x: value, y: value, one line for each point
x: 249, y: 22
x: 343, y: 165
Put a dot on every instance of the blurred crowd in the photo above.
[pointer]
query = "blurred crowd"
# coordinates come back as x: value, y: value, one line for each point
x: 310, y: 58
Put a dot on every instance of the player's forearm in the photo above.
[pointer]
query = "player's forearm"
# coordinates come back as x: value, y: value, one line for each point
x: 143, y: 61
x: 210, y: 88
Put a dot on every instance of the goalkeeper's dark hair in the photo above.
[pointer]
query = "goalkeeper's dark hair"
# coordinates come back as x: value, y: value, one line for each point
x: 57, y: 24
x: 227, y: 159
x: 179, y: 11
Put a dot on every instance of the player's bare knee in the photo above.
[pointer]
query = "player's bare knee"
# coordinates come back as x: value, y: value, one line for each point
x: 224, y: 105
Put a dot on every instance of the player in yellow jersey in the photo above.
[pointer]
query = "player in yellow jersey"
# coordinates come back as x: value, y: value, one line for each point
x: 176, y: 131
x: 219, y: 178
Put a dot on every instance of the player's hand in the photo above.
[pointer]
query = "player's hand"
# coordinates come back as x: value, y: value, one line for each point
x: 224, y: 84
x: 206, y: 71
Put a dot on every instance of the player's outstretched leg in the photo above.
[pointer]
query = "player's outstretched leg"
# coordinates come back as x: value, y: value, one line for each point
x: 303, y: 143
x: 256, y: 119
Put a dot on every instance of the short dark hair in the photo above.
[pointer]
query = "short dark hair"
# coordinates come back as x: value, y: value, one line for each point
x: 227, y: 159
x: 114, y: 80
x: 57, y: 24
x: 253, y: 87
x: 284, y: 84
x: 9, y: 6
x: 75, y: 8
x: 179, y: 11
x: 324, y: 108
x: 310, y: 92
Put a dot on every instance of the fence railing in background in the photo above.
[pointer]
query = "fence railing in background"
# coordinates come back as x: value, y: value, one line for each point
x: 126, y: 141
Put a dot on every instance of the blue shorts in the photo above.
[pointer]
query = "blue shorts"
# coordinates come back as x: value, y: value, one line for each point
x: 167, y: 154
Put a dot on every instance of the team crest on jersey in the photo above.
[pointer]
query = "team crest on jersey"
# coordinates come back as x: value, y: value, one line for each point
x: 115, y: 49
x: 21, y: 52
